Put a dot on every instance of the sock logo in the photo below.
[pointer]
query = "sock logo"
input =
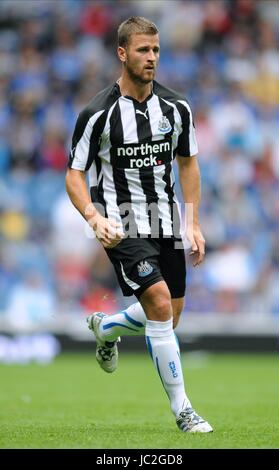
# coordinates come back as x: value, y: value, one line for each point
x: 173, y: 369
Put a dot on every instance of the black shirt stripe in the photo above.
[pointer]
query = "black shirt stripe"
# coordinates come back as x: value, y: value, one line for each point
x: 183, y: 145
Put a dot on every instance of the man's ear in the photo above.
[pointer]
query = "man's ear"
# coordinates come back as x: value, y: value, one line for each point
x: 121, y: 51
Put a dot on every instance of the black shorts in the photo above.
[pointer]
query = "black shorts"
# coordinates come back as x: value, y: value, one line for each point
x: 141, y: 262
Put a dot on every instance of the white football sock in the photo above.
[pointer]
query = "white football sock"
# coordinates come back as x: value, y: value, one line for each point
x: 129, y: 322
x: 164, y: 350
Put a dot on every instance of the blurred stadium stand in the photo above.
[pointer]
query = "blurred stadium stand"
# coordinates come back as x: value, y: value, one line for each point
x: 223, y: 56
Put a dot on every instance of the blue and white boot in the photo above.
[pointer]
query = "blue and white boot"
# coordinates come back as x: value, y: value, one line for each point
x: 106, y: 351
x: 189, y: 421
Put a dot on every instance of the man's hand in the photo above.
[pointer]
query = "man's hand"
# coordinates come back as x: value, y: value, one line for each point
x: 107, y: 231
x: 197, y: 241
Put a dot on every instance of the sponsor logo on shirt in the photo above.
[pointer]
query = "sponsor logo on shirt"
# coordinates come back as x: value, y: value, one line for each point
x: 145, y: 155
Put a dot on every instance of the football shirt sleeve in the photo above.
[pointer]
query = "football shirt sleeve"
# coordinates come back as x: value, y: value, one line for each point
x: 187, y: 143
x: 84, y: 140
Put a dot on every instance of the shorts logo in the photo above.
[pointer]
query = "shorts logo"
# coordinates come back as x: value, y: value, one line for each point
x: 164, y: 125
x: 144, y: 268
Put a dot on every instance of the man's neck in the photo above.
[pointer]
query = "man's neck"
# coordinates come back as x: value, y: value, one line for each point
x: 136, y: 90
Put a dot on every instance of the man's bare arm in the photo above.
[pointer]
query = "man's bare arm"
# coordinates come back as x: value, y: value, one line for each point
x: 190, y: 182
x: 78, y: 193
x: 108, y: 232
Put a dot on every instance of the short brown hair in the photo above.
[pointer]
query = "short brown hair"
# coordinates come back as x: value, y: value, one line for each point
x: 135, y: 25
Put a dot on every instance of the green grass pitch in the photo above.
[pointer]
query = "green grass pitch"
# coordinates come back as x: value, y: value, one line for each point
x: 72, y: 403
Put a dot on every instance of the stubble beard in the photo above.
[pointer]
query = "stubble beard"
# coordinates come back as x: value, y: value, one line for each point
x: 136, y: 78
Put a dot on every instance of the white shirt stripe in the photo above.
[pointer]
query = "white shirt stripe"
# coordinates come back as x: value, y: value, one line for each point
x: 177, y: 124
x: 92, y: 175
x: 110, y: 195
x: 83, y: 145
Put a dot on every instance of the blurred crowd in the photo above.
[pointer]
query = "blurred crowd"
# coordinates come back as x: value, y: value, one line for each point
x: 54, y: 57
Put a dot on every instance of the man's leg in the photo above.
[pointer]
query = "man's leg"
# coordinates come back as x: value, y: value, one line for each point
x: 108, y: 329
x: 128, y: 322
x: 162, y: 344
x: 164, y: 350
x: 132, y: 320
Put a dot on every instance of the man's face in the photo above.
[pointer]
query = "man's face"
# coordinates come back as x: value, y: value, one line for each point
x: 141, y: 57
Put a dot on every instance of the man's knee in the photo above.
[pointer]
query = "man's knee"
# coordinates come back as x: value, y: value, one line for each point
x: 156, y: 302
x: 162, y: 308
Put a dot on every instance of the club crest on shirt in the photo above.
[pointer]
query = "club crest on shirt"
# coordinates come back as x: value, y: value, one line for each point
x: 144, y: 268
x: 164, y: 125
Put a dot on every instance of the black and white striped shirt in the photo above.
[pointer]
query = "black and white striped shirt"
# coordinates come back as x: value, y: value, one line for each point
x: 128, y: 149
